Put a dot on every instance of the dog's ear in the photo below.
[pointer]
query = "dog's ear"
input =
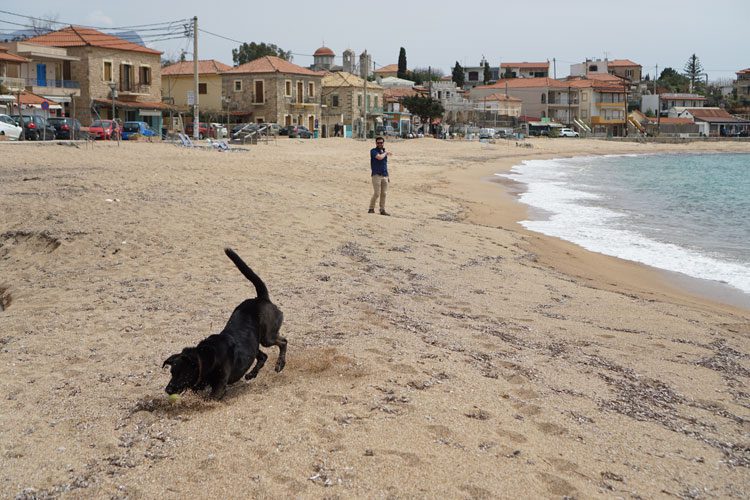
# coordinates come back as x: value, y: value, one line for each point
x: 170, y: 360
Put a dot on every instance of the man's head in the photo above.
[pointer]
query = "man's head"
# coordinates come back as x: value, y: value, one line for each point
x: 379, y: 142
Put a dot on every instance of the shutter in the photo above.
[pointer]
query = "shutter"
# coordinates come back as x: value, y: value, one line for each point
x: 122, y: 75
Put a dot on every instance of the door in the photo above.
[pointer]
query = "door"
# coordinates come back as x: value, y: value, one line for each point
x: 300, y: 92
x: 41, y: 75
x: 311, y: 123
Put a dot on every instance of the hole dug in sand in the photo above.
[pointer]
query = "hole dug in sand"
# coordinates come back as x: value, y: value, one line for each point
x: 5, y: 299
x: 27, y: 242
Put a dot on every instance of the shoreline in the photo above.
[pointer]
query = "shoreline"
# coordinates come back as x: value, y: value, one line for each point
x: 565, y: 256
x: 712, y: 290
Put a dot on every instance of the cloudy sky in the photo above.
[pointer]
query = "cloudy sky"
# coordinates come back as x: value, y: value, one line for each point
x: 435, y: 33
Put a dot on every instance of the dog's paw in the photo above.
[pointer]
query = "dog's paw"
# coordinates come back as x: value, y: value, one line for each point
x: 251, y: 375
x: 280, y: 365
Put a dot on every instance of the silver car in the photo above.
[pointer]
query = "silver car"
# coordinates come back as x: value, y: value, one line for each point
x: 9, y: 128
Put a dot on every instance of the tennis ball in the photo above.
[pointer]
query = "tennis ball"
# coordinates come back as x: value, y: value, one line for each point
x: 173, y: 398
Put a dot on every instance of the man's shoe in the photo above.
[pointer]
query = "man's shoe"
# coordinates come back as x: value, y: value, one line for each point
x: 371, y: 211
x: 383, y: 212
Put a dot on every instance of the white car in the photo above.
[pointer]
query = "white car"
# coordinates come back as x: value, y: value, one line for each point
x: 9, y: 128
x: 568, y: 132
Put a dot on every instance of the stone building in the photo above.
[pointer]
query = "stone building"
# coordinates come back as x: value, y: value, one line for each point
x: 104, y: 62
x: 270, y: 89
x: 345, y: 101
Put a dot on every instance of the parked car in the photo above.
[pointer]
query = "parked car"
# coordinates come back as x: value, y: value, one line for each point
x: 9, y: 128
x: 284, y: 130
x: 65, y: 128
x: 105, y: 129
x: 35, y: 127
x: 300, y: 131
x: 487, y: 133
x: 141, y: 128
x: 272, y: 128
x: 217, y: 131
x: 202, y: 129
x: 568, y: 132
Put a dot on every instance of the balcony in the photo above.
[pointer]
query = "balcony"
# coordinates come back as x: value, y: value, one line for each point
x: 134, y: 89
x: 618, y: 105
x: 13, y: 84
x: 562, y: 102
x: 600, y: 120
x: 304, y: 102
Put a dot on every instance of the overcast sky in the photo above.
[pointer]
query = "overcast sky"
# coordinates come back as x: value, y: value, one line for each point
x: 439, y: 33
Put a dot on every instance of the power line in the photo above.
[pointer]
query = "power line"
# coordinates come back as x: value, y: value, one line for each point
x: 51, y: 21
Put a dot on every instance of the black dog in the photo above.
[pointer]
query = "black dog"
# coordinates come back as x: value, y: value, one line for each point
x: 223, y: 358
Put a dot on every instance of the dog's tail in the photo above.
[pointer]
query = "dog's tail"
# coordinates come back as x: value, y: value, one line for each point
x: 260, y: 287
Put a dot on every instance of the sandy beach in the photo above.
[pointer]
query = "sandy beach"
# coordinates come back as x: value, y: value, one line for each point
x: 442, y: 352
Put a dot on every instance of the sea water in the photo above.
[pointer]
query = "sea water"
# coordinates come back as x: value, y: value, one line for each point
x: 688, y: 213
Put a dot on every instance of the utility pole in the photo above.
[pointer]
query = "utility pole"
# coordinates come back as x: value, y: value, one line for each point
x: 364, y: 100
x: 554, y: 68
x: 196, y: 118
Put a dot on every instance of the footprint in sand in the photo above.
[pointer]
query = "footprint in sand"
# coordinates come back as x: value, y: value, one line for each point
x: 551, y: 429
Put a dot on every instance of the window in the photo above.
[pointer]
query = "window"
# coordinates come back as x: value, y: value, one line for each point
x: 584, y: 114
x: 376, y: 101
x: 258, y: 98
x: 127, y: 77
x: 473, y: 76
x: 260, y: 119
x: 544, y: 98
x: 359, y: 100
x: 203, y: 88
x: 335, y: 100
x: 144, y: 75
x: 238, y: 85
x: 288, y: 88
x: 107, y: 71
x: 310, y: 90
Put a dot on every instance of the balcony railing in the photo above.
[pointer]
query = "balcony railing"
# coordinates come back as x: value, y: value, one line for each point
x: 135, y: 88
x: 22, y: 83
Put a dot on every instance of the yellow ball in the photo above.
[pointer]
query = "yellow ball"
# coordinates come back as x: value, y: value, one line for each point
x: 173, y: 398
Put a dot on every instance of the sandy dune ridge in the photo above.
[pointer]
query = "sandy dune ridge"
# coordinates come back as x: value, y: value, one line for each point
x: 440, y: 352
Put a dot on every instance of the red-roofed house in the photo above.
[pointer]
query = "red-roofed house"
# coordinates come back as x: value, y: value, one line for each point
x: 625, y: 68
x: 103, y: 61
x: 524, y: 69
x: 270, y: 89
x: 177, y: 81
x: 714, y: 122
x: 386, y: 71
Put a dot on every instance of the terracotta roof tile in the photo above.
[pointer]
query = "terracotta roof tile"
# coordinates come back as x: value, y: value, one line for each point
x: 743, y: 71
x: 8, y: 57
x: 502, y: 97
x: 324, y: 51
x: 621, y: 63
x: 387, y: 69
x: 31, y: 98
x: 525, y: 65
x: 344, y: 79
x: 205, y: 67
x: 77, y: 36
x: 272, y: 64
x: 518, y: 83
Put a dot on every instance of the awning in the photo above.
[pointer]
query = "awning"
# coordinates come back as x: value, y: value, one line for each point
x: 140, y: 105
x: 57, y: 98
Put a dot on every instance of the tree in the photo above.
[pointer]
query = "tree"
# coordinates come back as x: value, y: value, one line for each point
x: 401, y: 63
x: 673, y: 81
x: 693, y: 70
x: 458, y: 75
x: 426, y: 108
x: 487, y: 74
x: 250, y: 51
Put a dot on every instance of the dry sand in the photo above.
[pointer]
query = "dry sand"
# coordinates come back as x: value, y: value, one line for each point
x: 440, y: 352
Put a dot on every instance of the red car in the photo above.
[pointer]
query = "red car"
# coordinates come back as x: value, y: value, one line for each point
x: 202, y: 130
x: 105, y: 129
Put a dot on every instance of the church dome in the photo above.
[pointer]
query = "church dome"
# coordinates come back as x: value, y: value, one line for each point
x: 324, y: 51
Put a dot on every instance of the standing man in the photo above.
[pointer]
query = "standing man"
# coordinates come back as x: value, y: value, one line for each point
x: 379, y: 167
